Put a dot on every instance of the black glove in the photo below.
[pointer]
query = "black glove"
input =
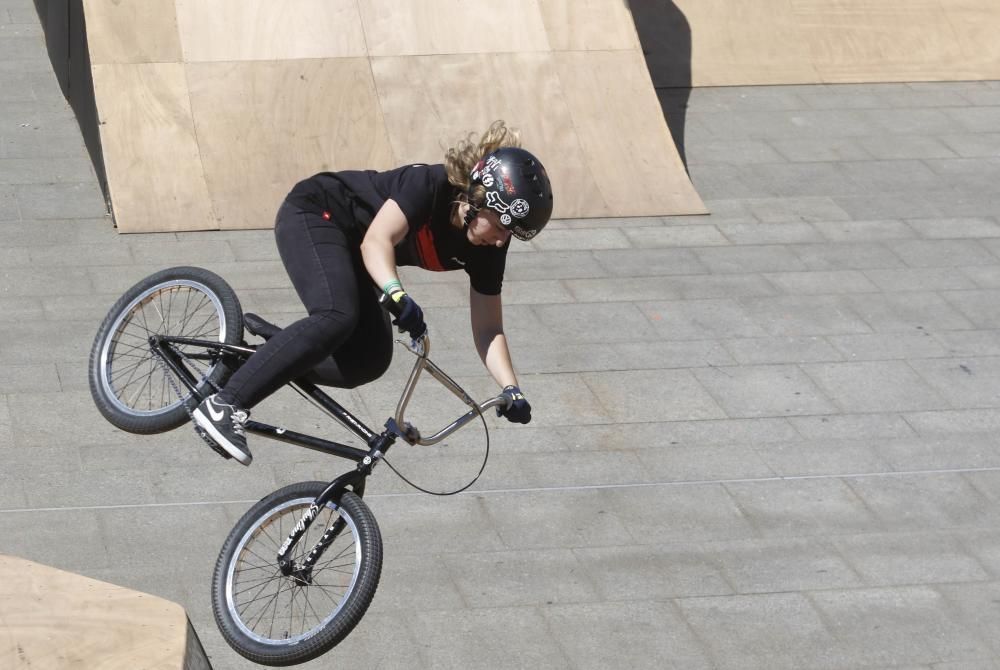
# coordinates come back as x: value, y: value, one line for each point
x: 411, y: 317
x: 519, y: 410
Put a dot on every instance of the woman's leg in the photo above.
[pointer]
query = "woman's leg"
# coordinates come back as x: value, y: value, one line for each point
x: 366, y: 354
x: 322, y: 264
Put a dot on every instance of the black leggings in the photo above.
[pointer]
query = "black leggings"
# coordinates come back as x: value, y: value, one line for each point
x: 345, y: 341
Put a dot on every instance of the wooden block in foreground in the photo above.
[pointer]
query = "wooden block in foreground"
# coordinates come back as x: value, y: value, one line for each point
x: 56, y: 620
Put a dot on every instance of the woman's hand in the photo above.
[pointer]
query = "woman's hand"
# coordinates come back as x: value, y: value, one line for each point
x: 519, y: 409
x: 411, y: 317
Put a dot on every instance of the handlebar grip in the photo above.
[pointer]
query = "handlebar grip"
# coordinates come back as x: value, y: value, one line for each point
x: 390, y: 305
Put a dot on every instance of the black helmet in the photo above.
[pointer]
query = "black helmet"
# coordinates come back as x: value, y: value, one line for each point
x: 517, y: 189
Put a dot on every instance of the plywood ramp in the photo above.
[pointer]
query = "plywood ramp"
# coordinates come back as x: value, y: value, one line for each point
x: 55, y: 620
x: 758, y: 42
x: 210, y: 124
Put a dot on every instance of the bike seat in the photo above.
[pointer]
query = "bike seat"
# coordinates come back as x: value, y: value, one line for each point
x: 259, y: 327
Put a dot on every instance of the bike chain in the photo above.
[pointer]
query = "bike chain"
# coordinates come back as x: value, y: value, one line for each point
x: 199, y: 431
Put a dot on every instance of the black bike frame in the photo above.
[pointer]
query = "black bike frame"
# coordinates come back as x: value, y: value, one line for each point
x: 378, y: 443
x: 174, y: 361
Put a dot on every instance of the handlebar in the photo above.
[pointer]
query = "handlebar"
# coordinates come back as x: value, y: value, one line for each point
x: 420, y: 347
x: 389, y: 305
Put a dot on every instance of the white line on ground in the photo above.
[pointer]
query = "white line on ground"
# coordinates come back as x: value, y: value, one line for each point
x: 539, y: 489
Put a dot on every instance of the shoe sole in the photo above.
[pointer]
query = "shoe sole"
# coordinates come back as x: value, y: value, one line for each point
x: 206, y: 424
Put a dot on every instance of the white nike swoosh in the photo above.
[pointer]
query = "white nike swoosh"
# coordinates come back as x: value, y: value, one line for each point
x: 216, y: 416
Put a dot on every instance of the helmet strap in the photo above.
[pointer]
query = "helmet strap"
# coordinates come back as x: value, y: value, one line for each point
x: 470, y: 214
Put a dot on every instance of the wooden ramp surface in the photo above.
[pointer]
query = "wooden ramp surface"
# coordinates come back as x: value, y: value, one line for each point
x: 771, y: 42
x: 211, y: 111
x: 55, y: 620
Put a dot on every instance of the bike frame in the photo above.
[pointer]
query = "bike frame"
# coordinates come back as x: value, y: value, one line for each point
x: 378, y: 443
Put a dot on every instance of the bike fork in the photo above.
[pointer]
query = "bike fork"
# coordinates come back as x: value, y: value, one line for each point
x: 354, y: 479
x: 302, y: 572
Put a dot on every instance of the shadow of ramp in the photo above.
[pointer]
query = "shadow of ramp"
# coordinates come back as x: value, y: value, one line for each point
x: 66, y: 40
x: 665, y: 36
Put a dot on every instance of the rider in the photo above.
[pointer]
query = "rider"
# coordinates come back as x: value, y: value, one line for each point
x: 341, y: 236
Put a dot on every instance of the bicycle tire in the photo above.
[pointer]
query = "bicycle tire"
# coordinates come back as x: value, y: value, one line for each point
x: 229, y: 592
x: 128, y: 384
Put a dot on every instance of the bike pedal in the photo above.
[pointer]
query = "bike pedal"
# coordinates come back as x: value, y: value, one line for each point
x: 210, y: 442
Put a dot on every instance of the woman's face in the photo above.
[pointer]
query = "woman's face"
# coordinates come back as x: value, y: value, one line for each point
x: 485, y: 229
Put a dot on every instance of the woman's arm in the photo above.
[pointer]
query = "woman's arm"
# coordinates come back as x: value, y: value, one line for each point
x: 377, y: 251
x: 377, y: 248
x: 487, y: 332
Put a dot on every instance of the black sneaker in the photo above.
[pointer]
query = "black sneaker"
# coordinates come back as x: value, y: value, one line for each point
x: 224, y: 425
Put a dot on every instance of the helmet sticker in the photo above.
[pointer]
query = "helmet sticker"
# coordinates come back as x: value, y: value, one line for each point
x: 519, y: 208
x: 487, y: 180
x: 508, y: 186
x: 505, y: 219
x: 495, y: 202
x: 524, y: 233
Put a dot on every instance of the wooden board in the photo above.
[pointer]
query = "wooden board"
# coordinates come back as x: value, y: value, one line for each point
x: 295, y: 118
x: 625, y: 140
x: 428, y: 27
x: 823, y: 41
x: 152, y: 156
x: 132, y: 31
x: 588, y: 25
x: 227, y: 30
x: 56, y: 620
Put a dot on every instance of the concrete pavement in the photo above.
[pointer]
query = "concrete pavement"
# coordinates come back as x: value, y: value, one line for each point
x: 765, y: 438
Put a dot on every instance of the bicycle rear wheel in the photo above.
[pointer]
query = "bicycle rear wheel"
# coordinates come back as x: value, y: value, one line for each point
x: 273, y: 619
x: 127, y: 381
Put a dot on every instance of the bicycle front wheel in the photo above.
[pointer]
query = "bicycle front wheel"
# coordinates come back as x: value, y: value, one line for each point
x: 274, y: 619
x: 127, y: 381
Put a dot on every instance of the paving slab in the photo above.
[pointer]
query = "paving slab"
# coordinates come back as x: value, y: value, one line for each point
x: 915, y: 625
x: 920, y: 502
x: 779, y: 630
x: 645, y: 635
x: 820, y: 457
x: 769, y: 566
x: 486, y: 638
x: 919, y: 558
x: 651, y: 395
x: 803, y: 507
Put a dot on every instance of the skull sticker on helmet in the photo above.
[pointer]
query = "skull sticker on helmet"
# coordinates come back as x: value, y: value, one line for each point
x: 520, y: 208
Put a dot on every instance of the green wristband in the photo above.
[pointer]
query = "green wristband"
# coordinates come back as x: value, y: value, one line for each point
x: 391, y: 286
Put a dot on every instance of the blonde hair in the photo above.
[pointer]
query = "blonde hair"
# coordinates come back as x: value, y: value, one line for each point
x: 461, y: 158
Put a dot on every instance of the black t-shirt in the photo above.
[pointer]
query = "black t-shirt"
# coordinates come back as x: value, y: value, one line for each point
x: 352, y: 198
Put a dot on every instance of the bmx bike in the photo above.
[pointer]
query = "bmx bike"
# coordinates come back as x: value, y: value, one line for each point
x: 298, y: 571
